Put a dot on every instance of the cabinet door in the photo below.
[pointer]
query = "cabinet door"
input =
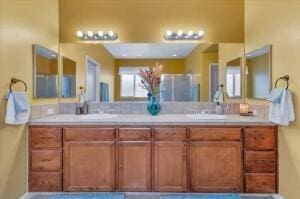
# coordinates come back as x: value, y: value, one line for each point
x: 170, y: 166
x: 134, y: 171
x: 89, y: 166
x: 216, y: 166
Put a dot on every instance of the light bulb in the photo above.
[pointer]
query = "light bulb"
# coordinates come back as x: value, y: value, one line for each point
x: 79, y: 33
x: 100, y: 33
x: 179, y: 33
x: 111, y: 33
x: 190, y: 33
x: 200, y: 33
x: 90, y: 33
x: 169, y: 33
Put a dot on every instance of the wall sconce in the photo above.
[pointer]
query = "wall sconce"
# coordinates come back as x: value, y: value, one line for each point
x: 181, y: 35
x: 99, y: 36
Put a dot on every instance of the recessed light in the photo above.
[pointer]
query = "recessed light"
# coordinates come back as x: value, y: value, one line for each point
x: 53, y: 55
x: 124, y: 55
x: 139, y: 55
x: 174, y: 55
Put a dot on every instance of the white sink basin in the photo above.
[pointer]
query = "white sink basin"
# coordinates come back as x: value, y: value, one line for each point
x: 97, y: 116
x: 206, y: 116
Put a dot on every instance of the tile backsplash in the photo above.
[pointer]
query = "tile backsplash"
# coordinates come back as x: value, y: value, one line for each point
x: 39, y: 111
x: 141, y: 107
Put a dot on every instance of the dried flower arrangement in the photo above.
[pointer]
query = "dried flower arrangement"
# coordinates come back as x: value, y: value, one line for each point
x: 151, y: 79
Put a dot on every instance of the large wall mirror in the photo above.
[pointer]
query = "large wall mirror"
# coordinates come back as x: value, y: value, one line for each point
x: 192, y: 71
x: 234, y: 78
x: 258, y: 73
x: 68, y: 78
x: 45, y: 72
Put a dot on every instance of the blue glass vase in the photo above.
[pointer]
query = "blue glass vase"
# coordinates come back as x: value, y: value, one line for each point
x: 153, y: 106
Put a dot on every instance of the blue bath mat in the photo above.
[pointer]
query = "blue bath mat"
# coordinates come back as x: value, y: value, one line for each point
x: 202, y: 196
x: 89, y: 196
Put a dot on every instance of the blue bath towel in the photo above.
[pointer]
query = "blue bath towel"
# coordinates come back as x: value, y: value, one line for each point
x: 89, y: 196
x: 202, y: 196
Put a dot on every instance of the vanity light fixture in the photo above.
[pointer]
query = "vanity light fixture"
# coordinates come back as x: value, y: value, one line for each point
x: 181, y: 35
x: 97, y: 36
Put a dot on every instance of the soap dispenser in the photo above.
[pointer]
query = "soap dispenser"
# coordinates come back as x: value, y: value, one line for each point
x: 218, y: 109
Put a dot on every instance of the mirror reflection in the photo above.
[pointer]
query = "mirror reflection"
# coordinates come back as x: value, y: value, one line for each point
x: 191, y: 71
x: 258, y: 73
x: 45, y: 72
x: 68, y: 79
x: 233, y: 78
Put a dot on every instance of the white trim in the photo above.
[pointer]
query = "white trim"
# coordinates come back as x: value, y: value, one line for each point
x: 209, y: 81
x: 88, y: 58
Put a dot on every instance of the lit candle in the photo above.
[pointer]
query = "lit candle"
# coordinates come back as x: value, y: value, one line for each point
x: 244, y: 109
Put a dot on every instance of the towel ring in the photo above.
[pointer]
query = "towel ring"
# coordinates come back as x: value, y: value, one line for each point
x: 14, y: 81
x: 286, y: 78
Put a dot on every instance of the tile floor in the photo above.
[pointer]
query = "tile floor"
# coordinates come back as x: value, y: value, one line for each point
x: 133, y: 195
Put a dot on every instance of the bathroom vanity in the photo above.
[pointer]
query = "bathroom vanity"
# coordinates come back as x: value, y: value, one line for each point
x: 159, y: 154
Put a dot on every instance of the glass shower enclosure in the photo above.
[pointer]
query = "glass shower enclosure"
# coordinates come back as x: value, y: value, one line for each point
x: 179, y: 88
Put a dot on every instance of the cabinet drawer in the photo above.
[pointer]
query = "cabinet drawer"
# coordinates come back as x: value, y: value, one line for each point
x: 260, y: 183
x: 134, y: 133
x: 85, y: 134
x: 260, y: 161
x: 46, y: 137
x: 46, y: 160
x: 215, y: 134
x: 46, y: 182
x: 170, y: 133
x: 260, y: 138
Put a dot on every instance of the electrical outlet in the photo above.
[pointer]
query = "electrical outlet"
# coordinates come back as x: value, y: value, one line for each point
x: 50, y: 111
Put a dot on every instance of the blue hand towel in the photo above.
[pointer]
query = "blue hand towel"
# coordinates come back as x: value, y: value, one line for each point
x: 17, y: 108
x: 21, y: 101
x: 276, y: 95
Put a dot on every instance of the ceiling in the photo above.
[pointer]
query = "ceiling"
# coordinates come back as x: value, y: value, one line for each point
x: 150, y: 50
x: 258, y: 52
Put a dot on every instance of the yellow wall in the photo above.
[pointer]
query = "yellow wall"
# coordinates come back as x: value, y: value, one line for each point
x: 229, y: 52
x: 147, y: 20
x: 171, y: 66
x: 22, y: 23
x: 78, y: 53
x: 277, y: 23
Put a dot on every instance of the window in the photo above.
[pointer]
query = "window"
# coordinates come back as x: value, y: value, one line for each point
x: 131, y: 82
x: 233, y: 82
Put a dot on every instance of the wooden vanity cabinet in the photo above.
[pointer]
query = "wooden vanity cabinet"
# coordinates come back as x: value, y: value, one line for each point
x: 170, y: 151
x: 216, y: 160
x: 45, y: 159
x: 260, y: 160
x: 89, y: 159
x: 153, y: 158
x: 134, y: 159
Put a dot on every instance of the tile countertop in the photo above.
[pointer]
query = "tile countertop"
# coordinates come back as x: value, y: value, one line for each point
x: 145, y: 119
